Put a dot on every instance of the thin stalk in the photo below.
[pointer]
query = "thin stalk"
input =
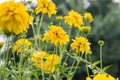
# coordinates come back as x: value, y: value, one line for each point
x: 36, y: 45
x: 86, y: 56
x: 20, y: 65
x: 55, y: 51
x: 101, y: 56
x: 40, y: 25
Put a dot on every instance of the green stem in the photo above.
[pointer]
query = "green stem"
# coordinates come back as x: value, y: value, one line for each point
x: 36, y: 45
x: 101, y: 56
x: 20, y: 65
x: 86, y: 55
x: 78, y: 32
x: 7, y: 53
x: 40, y: 25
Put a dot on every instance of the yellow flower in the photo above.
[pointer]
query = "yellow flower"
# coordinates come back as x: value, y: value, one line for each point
x: 59, y: 17
x: 74, y: 19
x: 45, y: 61
x: 88, y: 17
x: 88, y: 78
x: 21, y: 45
x: 56, y: 35
x: 39, y: 57
x: 14, y: 17
x: 103, y: 77
x: 1, y: 44
x: 79, y: 44
x: 46, y: 6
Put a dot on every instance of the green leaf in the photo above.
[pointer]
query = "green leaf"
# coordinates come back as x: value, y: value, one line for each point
x: 106, y: 67
x: 96, y: 63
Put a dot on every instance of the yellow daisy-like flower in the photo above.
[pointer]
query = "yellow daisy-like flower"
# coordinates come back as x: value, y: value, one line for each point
x: 103, y: 77
x: 21, y: 45
x: 46, y: 6
x: 14, y: 17
x: 45, y: 61
x: 74, y: 19
x: 56, y: 35
x: 80, y: 44
x: 88, y: 17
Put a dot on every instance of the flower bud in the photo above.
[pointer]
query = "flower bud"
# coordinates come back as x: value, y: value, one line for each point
x: 85, y: 30
x: 101, y: 42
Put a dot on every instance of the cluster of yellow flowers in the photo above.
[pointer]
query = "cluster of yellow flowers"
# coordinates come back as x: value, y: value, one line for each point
x: 45, y: 61
x: 75, y: 19
x: 15, y: 19
x: 101, y: 77
x: 21, y: 45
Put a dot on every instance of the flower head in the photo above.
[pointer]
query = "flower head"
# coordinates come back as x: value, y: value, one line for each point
x: 14, y: 17
x: 56, y: 35
x: 80, y: 44
x: 21, y: 45
x: 88, y: 17
x: 45, y: 61
x: 46, y: 6
x: 74, y: 19
x: 103, y: 77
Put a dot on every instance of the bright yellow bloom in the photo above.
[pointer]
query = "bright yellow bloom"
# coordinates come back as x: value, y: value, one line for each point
x: 80, y: 44
x: 14, y: 17
x: 46, y: 6
x: 56, y: 35
x: 88, y: 17
x: 88, y: 78
x: 45, y: 61
x: 74, y: 19
x: 21, y: 45
x: 103, y: 77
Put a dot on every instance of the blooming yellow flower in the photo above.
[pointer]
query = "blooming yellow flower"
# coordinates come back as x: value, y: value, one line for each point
x: 14, y: 17
x: 103, y: 77
x: 88, y: 78
x: 39, y: 57
x: 21, y: 45
x: 74, y: 19
x: 46, y: 6
x: 56, y: 35
x: 88, y: 17
x: 45, y: 61
x: 79, y: 44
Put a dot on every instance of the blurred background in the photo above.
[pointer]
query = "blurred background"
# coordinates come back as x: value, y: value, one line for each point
x: 106, y: 26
